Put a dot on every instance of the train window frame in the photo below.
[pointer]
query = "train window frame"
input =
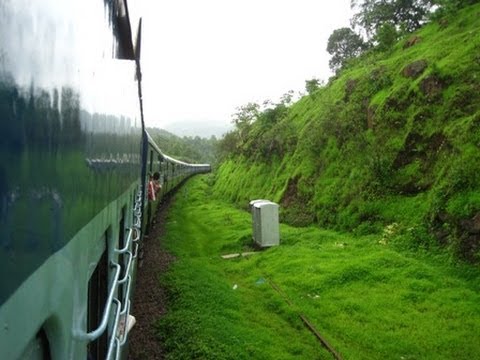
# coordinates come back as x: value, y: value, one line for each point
x: 160, y: 161
x: 151, y: 161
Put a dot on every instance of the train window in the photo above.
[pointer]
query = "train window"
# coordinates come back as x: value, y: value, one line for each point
x: 159, y: 163
x: 151, y: 160
x: 97, y: 297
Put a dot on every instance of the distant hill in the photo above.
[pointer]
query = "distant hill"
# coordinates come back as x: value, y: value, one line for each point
x: 188, y: 149
x: 390, y: 146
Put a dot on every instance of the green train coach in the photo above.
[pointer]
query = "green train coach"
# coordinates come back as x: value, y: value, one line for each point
x: 75, y: 168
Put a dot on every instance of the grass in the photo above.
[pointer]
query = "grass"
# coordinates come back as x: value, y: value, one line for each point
x: 377, y: 135
x: 367, y: 299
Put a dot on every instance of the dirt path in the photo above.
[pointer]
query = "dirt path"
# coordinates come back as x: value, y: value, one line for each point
x: 150, y: 299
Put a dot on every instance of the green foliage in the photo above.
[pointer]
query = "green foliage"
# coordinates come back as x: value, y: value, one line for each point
x: 386, y: 36
x: 405, y: 15
x: 374, y: 138
x: 367, y: 298
x: 260, y: 134
x: 450, y: 7
x: 216, y: 310
x: 343, y: 45
x: 312, y: 85
x: 189, y: 149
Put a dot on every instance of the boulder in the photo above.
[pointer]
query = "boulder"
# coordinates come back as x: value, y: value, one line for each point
x: 414, y: 69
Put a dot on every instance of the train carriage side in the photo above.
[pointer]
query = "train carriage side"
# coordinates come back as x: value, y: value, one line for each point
x: 74, y: 161
x: 171, y: 173
x: 70, y: 165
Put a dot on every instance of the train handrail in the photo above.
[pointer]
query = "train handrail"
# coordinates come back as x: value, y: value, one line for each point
x: 137, y: 222
x: 125, y: 312
x: 95, y: 334
x: 127, y: 268
x: 127, y: 295
x: 114, y: 330
x: 127, y: 244
x: 137, y: 235
x: 137, y: 210
x: 135, y: 253
x: 122, y: 306
x: 125, y: 334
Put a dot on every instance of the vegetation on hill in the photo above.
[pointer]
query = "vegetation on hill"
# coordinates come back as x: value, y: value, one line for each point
x: 366, y: 299
x: 188, y: 149
x: 391, y: 142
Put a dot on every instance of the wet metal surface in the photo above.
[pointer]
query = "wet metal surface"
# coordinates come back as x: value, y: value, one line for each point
x: 70, y: 130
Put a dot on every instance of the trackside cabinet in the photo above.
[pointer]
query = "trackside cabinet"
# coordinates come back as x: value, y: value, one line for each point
x: 266, y: 230
x: 253, y: 202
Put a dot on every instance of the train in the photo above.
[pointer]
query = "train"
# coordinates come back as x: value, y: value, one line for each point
x: 76, y: 163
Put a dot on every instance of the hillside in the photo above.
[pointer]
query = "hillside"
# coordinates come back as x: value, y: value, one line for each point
x: 392, y: 145
x: 188, y: 149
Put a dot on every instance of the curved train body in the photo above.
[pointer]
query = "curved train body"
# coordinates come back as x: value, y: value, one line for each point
x: 74, y: 166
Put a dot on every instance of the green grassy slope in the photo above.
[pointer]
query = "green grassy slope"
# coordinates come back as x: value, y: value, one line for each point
x: 394, y: 140
x: 367, y: 299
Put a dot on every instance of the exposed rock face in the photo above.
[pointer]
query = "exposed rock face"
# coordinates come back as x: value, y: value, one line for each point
x: 415, y: 69
x: 467, y: 234
x: 472, y: 226
x: 412, y: 41
x: 294, y: 205
x: 471, y: 241
x: 431, y: 86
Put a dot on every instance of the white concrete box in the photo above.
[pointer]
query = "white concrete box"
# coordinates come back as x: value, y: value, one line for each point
x: 265, y: 223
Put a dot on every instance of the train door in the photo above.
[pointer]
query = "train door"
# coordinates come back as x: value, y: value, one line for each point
x: 97, y: 298
x: 151, y: 161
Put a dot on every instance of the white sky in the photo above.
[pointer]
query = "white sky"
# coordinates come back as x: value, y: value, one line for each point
x: 202, y: 59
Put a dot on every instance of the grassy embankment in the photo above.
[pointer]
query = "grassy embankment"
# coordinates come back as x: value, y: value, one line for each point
x: 368, y: 300
x: 392, y: 141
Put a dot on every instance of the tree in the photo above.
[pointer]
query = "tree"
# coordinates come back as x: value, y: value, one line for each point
x: 312, y: 85
x: 287, y: 98
x: 343, y: 45
x: 449, y: 7
x: 386, y: 37
x: 244, y: 117
x: 404, y: 15
x: 228, y: 145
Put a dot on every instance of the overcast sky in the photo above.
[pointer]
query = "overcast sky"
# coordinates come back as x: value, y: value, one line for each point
x: 203, y: 59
